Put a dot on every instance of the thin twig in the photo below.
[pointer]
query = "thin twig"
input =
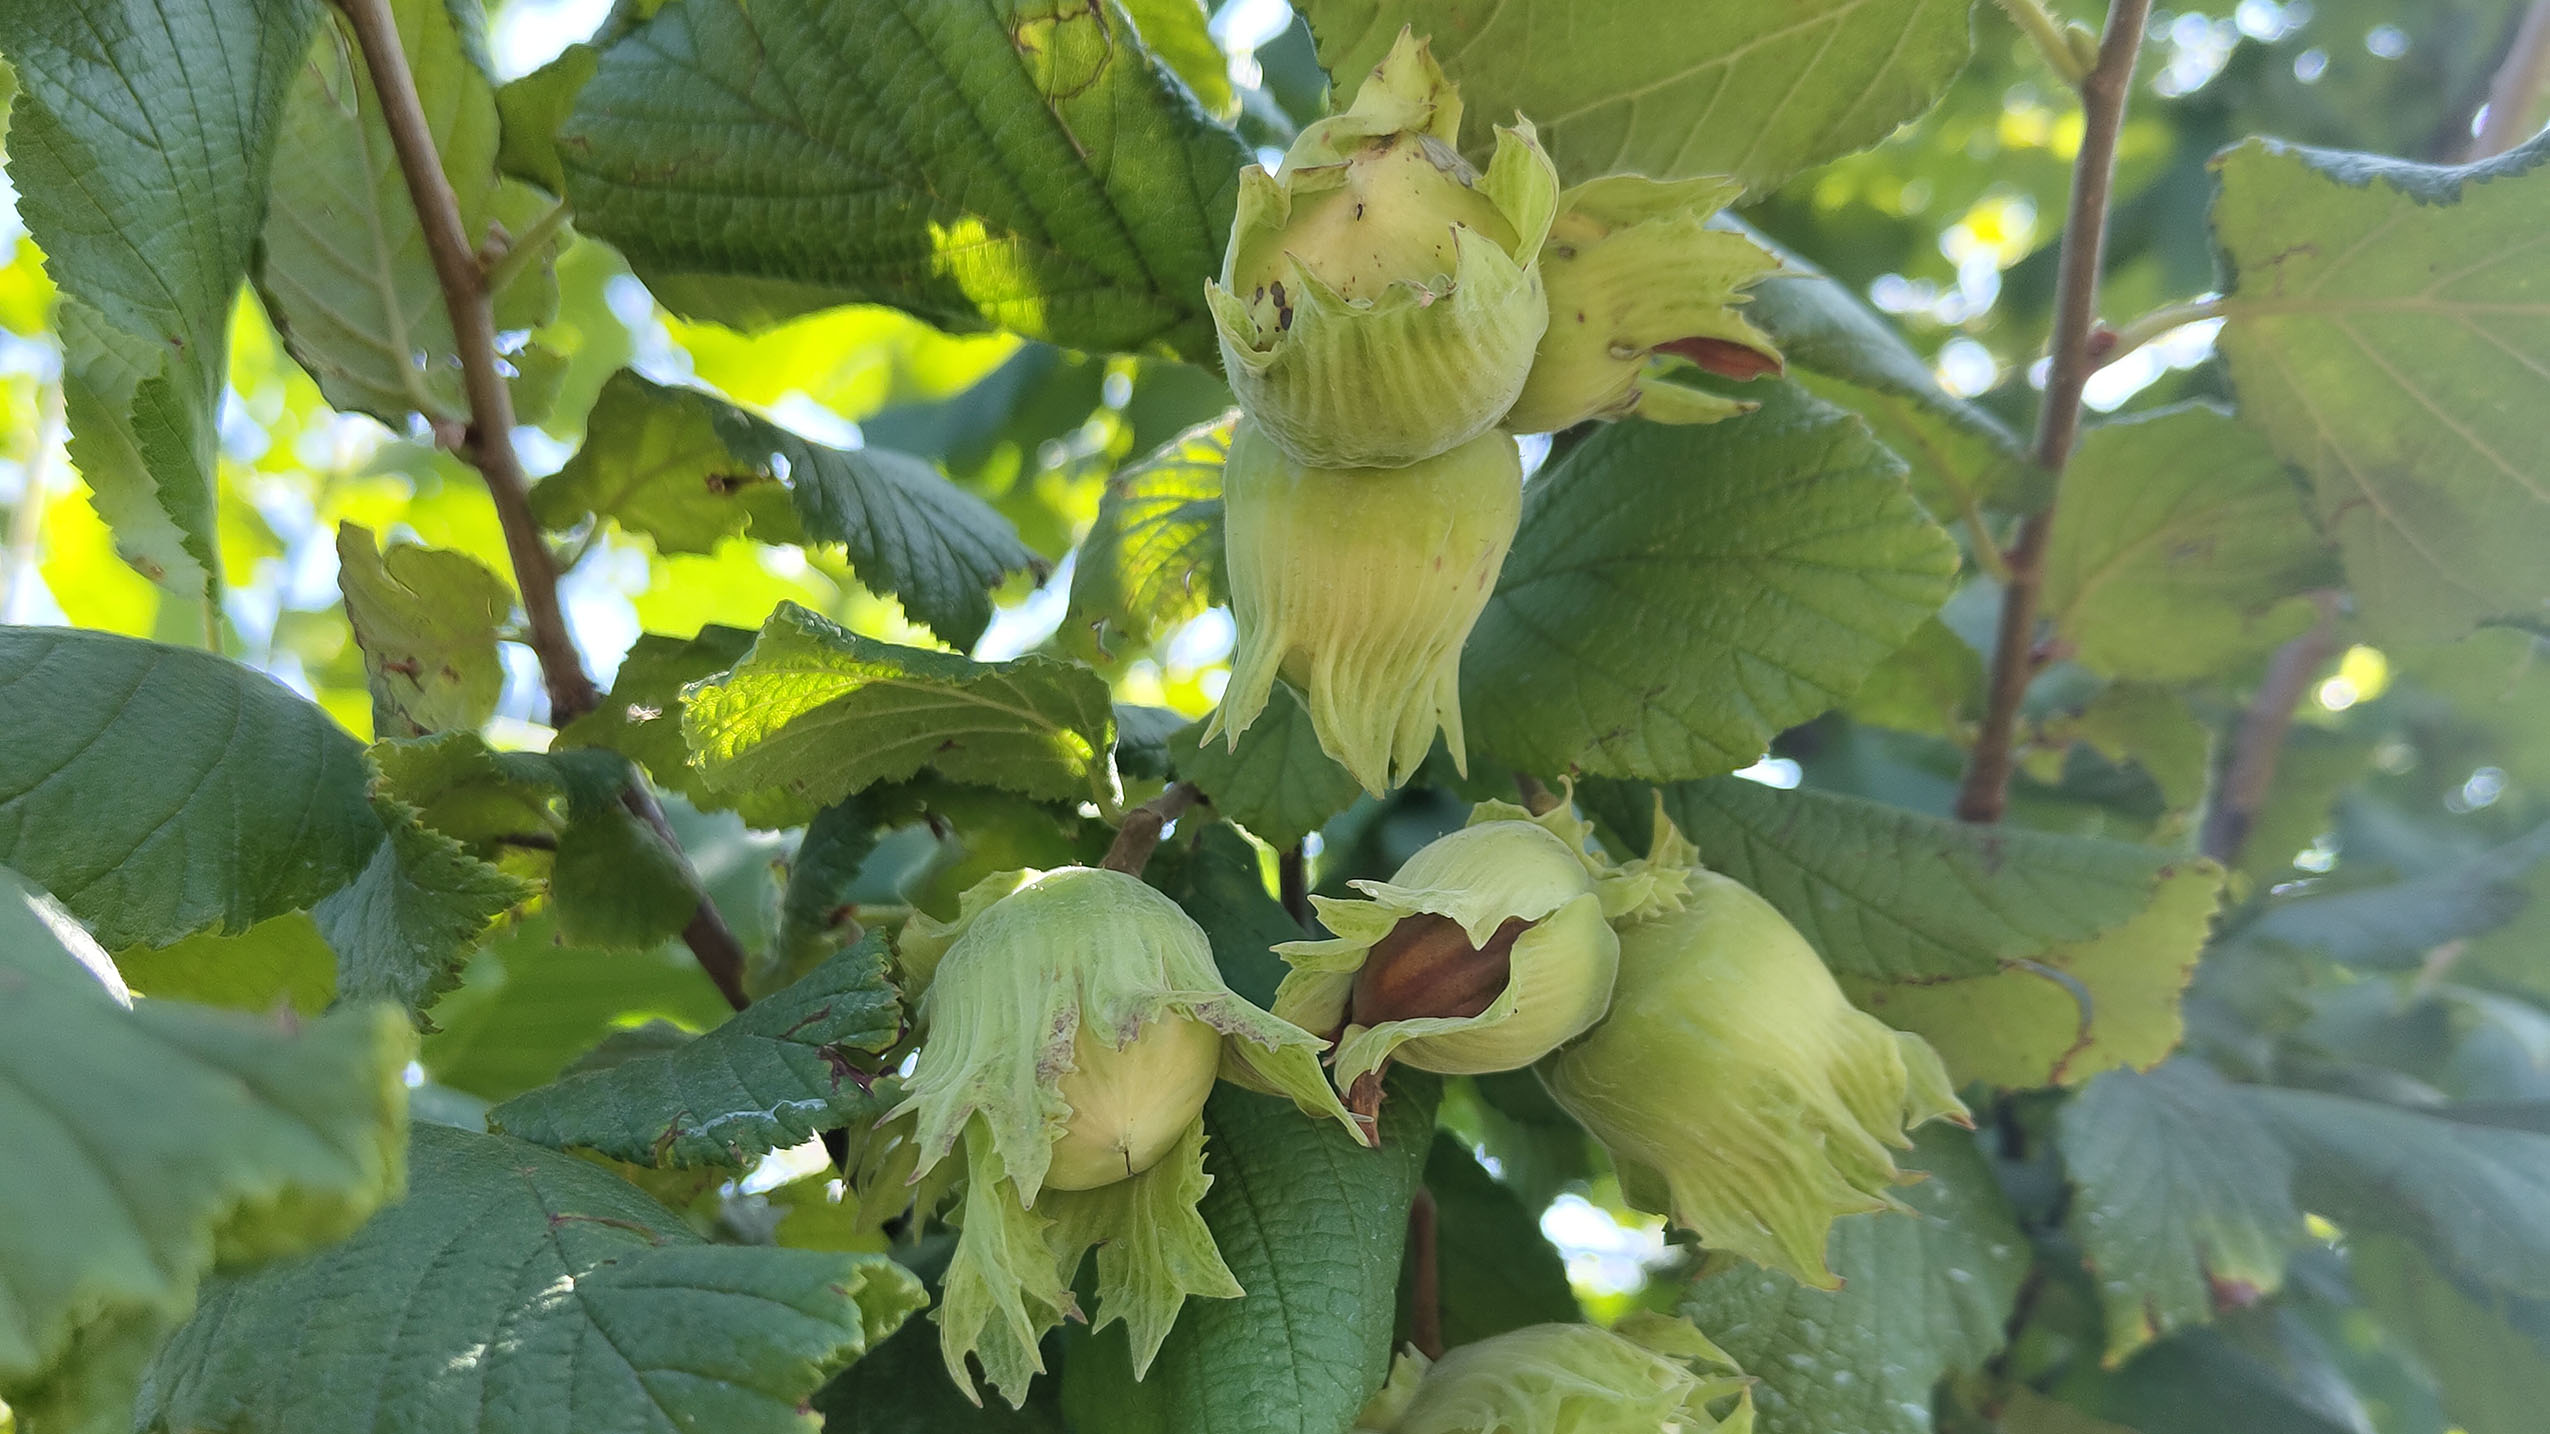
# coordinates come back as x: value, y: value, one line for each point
x: 522, y: 251
x: 1986, y: 791
x: 2046, y: 33
x: 1425, y: 1295
x: 2516, y: 92
x: 1538, y: 799
x: 2259, y: 745
x: 1140, y: 834
x: 489, y: 444
x: 1292, y: 884
x: 2158, y: 324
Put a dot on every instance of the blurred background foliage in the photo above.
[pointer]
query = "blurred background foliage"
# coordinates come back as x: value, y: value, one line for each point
x: 2408, y: 772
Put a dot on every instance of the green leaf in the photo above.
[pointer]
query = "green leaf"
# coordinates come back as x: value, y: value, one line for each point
x: 2183, y: 549
x: 1923, y: 1295
x: 1009, y: 164
x: 2469, y: 1196
x: 819, y: 712
x: 2393, y: 926
x: 1887, y: 894
x: 1963, y: 459
x: 2152, y: 727
x: 1933, y: 685
x: 815, y: 905
x: 401, y: 928
x: 1763, y: 89
x: 2386, y: 331
x: 641, y: 719
x: 280, y: 961
x: 773, y: 1075
x: 902, y: 1387
x: 426, y: 619
x: 689, y: 470
x: 1153, y: 557
x: 533, y: 108
x: 342, y: 263
x: 159, y: 791
x: 140, y: 144
x: 1280, y: 784
x: 2185, y: 1199
x: 528, y: 1004
x: 2490, y: 1355
x: 152, y: 1143
x: 616, y: 884
x: 1219, y: 882
x: 1175, y: 31
x: 2075, y: 1010
x: 1495, y: 1272
x: 1677, y: 596
x: 1312, y: 1225
x: 517, y: 1289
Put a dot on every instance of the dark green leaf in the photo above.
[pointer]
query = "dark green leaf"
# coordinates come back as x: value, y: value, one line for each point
x: 1761, y: 90
x: 2185, y: 1199
x: 1008, y: 164
x: 2385, y: 332
x: 819, y: 712
x: 158, y: 791
x: 2394, y: 925
x: 2468, y: 1195
x: 1280, y: 783
x: 1219, y: 882
x: 773, y: 1075
x: 1312, y: 1225
x: 140, y: 145
x: 1495, y: 1272
x: 1679, y: 595
x: 689, y: 470
x: 2489, y: 1353
x: 821, y: 877
x: 1885, y: 893
x: 533, y: 108
x: 1924, y: 1295
x: 602, y: 1297
x: 151, y: 1143
x: 2183, y: 549
x: 401, y: 928
x: 616, y: 885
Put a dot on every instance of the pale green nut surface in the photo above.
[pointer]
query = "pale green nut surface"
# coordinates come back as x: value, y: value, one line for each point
x: 1650, y: 1373
x: 1360, y: 586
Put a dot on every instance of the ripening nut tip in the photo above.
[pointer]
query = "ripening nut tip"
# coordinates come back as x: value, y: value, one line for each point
x: 1359, y: 585
x: 1648, y: 1373
x: 1073, y: 1025
x: 1633, y: 272
x: 1738, y: 1091
x: 1380, y: 300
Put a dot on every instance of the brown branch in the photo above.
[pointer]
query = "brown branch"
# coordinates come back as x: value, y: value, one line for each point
x: 1139, y: 836
x: 1425, y: 1295
x: 1292, y: 884
x: 2518, y: 86
x: 1538, y: 799
x: 2259, y: 745
x: 2015, y: 660
x: 488, y: 444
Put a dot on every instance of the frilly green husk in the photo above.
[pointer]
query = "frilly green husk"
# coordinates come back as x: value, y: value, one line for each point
x: 1505, y: 865
x: 1738, y: 1091
x: 1360, y: 585
x: 1380, y: 302
x: 1631, y: 267
x: 1037, y: 966
x: 1636, y: 1378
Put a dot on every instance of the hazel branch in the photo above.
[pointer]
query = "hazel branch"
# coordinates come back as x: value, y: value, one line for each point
x: 1140, y: 834
x: 488, y: 443
x: 1985, y: 793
